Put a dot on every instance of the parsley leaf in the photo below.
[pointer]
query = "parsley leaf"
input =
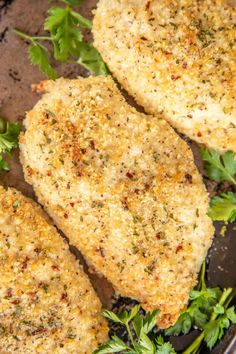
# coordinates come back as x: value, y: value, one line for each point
x: 9, y: 139
x: 8, y: 142
x: 4, y: 165
x: 91, y: 60
x: 183, y: 325
x: 64, y: 32
x: 231, y: 315
x: 164, y: 348
x: 219, y: 167
x: 113, y: 345
x: 63, y: 27
x: 112, y: 316
x: 146, y: 345
x: 38, y: 56
x: 211, y: 333
x: 149, y: 321
x: 223, y: 207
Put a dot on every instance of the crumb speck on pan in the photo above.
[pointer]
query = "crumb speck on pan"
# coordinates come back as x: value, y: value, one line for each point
x: 130, y: 208
x: 47, y: 304
x: 185, y: 67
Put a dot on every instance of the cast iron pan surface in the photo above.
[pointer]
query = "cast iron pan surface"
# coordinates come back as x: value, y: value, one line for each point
x: 16, y: 77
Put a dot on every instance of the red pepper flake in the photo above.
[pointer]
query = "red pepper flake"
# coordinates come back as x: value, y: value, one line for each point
x: 68, y: 185
x: 189, y: 116
x: 125, y: 203
x: 167, y: 53
x: 72, y: 204
x: 92, y: 144
x: 66, y: 216
x: 158, y: 236
x: 188, y: 177
x: 54, y: 267
x: 137, y: 191
x: 83, y: 151
x: 64, y: 296
x: 101, y: 250
x: 179, y: 248
x: 30, y: 171
x: 175, y: 77
x: 184, y: 65
x: 79, y: 174
x: 143, y: 38
x: 129, y: 175
x: 24, y: 263
x: 9, y: 292
x: 37, y: 250
x: 199, y: 134
x: 32, y: 294
x: 147, y: 6
x: 15, y: 302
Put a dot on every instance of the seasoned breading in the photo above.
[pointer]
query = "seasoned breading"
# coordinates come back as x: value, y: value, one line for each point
x: 175, y: 57
x: 123, y: 187
x: 47, y: 304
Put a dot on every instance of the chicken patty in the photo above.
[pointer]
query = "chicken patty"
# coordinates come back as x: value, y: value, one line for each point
x: 123, y: 188
x: 47, y: 304
x: 175, y: 57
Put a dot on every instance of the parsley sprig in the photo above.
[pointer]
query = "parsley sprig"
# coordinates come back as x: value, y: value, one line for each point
x: 208, y: 310
x: 8, y: 141
x: 220, y: 167
x: 141, y: 343
x: 64, y: 28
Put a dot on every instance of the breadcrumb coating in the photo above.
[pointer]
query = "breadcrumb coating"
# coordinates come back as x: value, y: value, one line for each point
x: 47, y: 304
x: 175, y: 57
x: 124, y: 189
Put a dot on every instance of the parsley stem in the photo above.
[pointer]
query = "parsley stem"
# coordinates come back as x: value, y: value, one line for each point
x: 222, y: 300
x: 228, y: 301
x: 193, y: 348
x: 202, y: 284
x: 31, y: 38
x: 130, y: 334
x: 195, y: 345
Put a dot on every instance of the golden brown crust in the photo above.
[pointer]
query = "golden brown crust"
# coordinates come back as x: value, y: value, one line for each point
x: 123, y: 187
x: 47, y: 304
x: 178, y: 57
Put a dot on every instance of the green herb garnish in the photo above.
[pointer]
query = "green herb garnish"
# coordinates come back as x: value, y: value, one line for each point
x: 220, y: 167
x: 223, y: 207
x: 64, y: 28
x: 141, y: 326
x: 8, y: 141
x: 208, y: 310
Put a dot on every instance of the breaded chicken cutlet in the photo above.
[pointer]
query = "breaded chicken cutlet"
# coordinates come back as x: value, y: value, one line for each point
x: 123, y: 188
x: 176, y: 57
x: 47, y: 304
